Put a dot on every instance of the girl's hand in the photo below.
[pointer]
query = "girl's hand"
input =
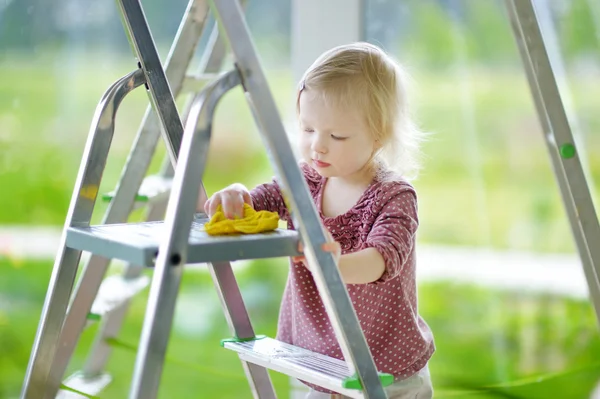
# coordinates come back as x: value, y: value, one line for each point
x: 232, y: 200
x: 330, y: 246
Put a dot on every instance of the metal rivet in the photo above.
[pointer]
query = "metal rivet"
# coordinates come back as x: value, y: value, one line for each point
x: 175, y: 259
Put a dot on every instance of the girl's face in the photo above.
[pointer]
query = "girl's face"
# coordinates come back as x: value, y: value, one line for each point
x: 335, y: 141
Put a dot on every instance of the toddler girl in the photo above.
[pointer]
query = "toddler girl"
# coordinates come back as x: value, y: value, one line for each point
x: 358, y: 146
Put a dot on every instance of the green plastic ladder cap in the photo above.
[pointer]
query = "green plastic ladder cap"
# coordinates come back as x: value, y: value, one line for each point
x: 138, y: 198
x: 354, y: 383
x: 236, y: 339
x: 93, y: 316
x: 567, y: 151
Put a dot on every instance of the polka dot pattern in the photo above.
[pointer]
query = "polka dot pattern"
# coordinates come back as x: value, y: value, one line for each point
x: 385, y: 218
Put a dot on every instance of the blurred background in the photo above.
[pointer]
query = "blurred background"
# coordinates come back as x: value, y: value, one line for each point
x: 500, y: 282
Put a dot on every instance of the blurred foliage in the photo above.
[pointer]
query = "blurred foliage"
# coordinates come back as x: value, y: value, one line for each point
x: 485, y: 158
x: 31, y: 25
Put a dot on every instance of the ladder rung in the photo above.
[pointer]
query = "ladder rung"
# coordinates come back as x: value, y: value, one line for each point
x: 300, y: 363
x: 153, y: 188
x: 91, y: 386
x: 115, y: 291
x: 138, y: 243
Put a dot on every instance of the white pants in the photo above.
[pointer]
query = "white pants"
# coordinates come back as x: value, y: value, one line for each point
x: 417, y: 386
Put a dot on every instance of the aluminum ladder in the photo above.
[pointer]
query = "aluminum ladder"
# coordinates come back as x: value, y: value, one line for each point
x: 169, y: 244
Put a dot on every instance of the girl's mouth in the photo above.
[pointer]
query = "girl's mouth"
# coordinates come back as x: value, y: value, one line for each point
x: 321, y: 164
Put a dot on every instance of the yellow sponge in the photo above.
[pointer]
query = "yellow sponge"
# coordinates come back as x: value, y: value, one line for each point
x: 253, y: 222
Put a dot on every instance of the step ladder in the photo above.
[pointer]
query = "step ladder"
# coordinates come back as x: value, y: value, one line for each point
x: 168, y: 245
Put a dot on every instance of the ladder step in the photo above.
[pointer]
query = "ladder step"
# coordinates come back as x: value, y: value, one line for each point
x: 138, y: 243
x: 300, y: 363
x: 153, y: 188
x: 115, y: 291
x: 91, y: 386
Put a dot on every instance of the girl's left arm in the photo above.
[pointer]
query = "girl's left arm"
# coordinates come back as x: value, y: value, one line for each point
x: 388, y: 244
x: 353, y: 270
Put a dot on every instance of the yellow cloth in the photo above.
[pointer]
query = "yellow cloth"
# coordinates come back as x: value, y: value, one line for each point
x: 253, y: 222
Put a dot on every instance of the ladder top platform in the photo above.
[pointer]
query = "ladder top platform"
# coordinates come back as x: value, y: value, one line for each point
x: 138, y: 243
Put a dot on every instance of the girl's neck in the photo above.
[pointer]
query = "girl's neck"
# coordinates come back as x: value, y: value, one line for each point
x: 362, y: 178
x: 340, y: 194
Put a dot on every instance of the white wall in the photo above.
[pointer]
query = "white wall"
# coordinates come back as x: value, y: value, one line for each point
x: 318, y: 25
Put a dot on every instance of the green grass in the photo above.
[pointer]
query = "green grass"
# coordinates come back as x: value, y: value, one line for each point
x: 492, y: 344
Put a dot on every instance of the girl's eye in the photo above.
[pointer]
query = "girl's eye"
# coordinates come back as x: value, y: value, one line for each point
x: 338, y: 138
x: 308, y: 130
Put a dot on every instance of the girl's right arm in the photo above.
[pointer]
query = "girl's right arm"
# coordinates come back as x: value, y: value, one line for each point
x: 264, y: 197
x: 268, y: 197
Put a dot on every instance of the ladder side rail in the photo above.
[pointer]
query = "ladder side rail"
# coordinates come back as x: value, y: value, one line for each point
x: 557, y: 133
x: 173, y: 249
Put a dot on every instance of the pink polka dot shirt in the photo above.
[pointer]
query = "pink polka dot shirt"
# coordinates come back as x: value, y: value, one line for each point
x: 385, y: 218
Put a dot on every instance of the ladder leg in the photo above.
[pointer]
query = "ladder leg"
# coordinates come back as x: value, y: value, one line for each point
x: 172, y: 252
x: 329, y: 282
x: 160, y: 94
x: 37, y: 384
x: 559, y: 140
x: 37, y: 381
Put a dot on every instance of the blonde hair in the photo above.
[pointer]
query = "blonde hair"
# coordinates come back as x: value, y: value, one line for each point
x: 363, y: 76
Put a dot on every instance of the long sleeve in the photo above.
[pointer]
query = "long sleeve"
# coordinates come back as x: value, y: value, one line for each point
x: 393, y: 232
x: 268, y: 197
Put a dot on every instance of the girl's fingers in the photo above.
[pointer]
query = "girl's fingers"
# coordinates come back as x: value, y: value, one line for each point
x: 331, y: 247
x: 214, y: 204
x: 247, y: 198
x: 233, y: 204
x: 231, y: 200
x: 328, y: 247
x: 226, y: 204
x: 238, y: 199
x: 299, y: 258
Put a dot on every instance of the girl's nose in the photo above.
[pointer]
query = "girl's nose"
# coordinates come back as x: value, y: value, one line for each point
x: 318, y: 145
